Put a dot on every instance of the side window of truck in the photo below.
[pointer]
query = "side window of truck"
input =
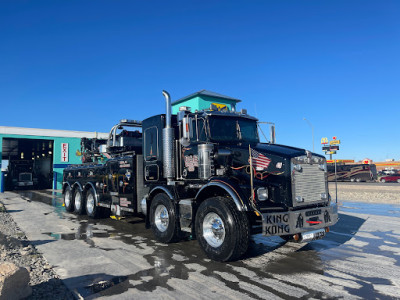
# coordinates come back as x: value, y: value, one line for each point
x: 151, y: 143
x: 201, y: 130
x: 193, y: 137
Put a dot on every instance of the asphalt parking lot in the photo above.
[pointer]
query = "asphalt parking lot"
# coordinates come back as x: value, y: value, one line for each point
x: 358, y: 259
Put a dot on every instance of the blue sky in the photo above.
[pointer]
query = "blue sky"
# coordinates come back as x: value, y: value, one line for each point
x: 83, y: 65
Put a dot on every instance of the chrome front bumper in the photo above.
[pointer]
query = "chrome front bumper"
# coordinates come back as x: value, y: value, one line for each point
x: 299, y: 221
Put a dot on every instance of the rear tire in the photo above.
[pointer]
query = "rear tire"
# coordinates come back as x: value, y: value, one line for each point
x: 222, y: 231
x: 79, y: 202
x: 383, y: 180
x: 163, y: 220
x: 92, y: 210
x: 68, y: 201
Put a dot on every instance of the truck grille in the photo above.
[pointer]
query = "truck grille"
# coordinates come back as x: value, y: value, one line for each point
x: 25, y: 177
x: 309, y: 185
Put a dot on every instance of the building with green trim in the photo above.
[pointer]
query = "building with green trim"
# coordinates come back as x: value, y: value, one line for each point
x: 49, y: 151
x: 203, y: 100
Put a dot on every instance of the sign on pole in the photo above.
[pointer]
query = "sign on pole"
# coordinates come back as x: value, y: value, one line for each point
x: 324, y: 141
x: 334, y: 142
x: 64, y: 152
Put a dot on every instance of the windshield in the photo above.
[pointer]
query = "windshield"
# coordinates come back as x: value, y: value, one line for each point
x: 233, y: 129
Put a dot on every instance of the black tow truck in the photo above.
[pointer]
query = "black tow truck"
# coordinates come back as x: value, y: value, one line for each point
x: 207, y: 175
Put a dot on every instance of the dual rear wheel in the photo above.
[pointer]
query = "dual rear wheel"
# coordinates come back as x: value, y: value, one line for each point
x: 80, y: 202
x: 221, y: 230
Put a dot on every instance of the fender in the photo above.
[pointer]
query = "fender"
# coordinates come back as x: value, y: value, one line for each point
x: 162, y: 188
x: 78, y: 185
x: 230, y: 189
x: 96, y: 196
x: 65, y: 184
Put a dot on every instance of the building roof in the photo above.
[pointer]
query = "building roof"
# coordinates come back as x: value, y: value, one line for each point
x: 51, y: 132
x: 206, y: 93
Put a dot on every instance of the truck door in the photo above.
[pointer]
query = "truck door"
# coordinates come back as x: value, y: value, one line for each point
x: 152, y: 153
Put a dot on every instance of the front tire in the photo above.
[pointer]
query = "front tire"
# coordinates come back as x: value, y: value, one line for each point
x: 68, y: 201
x: 164, y: 222
x: 222, y: 231
x: 79, y: 202
x: 383, y: 180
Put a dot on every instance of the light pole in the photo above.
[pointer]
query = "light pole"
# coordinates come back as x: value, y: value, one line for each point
x: 312, y: 130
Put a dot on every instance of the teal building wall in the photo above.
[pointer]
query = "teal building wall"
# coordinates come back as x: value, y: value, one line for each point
x: 74, y: 145
x: 202, y: 100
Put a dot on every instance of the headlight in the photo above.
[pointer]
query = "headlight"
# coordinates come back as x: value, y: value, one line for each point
x: 297, y: 167
x: 262, y: 194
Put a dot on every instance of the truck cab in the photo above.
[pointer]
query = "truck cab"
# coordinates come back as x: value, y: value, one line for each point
x: 209, y: 167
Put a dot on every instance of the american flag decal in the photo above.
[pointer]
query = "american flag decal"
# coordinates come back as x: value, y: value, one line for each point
x: 259, y: 161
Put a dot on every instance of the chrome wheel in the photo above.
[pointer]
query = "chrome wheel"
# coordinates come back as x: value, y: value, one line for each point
x: 90, y: 203
x: 78, y: 201
x: 67, y: 198
x: 213, y: 230
x: 161, y: 218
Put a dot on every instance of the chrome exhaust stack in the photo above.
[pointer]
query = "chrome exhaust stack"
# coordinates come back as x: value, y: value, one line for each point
x: 168, y: 142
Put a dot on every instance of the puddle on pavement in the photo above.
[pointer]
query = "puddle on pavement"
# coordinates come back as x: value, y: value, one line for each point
x: 178, y: 260
x: 54, y: 199
x: 97, y: 287
x: 388, y: 210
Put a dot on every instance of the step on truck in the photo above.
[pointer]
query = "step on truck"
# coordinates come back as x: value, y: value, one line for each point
x: 205, y: 174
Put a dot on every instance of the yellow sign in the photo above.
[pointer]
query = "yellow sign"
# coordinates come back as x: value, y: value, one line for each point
x: 220, y: 107
x: 324, y: 141
x: 334, y: 142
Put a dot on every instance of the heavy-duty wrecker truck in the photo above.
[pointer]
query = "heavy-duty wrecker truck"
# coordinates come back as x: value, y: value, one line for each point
x: 205, y: 174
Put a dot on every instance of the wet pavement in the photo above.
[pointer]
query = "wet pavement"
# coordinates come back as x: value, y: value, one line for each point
x: 358, y: 259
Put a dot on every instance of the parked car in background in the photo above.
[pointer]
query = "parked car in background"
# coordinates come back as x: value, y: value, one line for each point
x: 391, y: 178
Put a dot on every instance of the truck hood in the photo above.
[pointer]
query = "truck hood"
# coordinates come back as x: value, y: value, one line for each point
x: 277, y: 156
x: 280, y: 150
x: 274, y: 149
